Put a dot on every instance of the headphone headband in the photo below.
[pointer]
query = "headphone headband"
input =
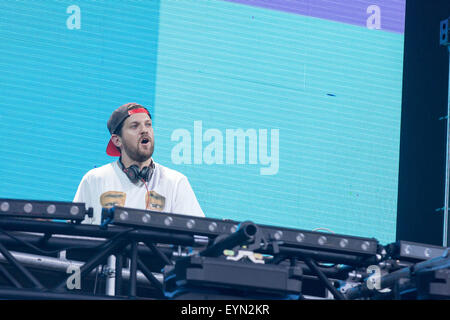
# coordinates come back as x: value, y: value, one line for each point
x: 134, y: 174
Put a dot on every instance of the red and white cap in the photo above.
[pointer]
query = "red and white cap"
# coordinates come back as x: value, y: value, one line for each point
x: 117, y: 118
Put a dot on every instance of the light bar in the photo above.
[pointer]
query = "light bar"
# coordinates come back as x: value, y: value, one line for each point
x: 322, y: 241
x: 74, y: 211
x: 214, y: 227
x: 415, y: 251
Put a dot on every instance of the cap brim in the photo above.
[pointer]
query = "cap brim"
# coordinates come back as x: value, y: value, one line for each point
x: 111, y: 150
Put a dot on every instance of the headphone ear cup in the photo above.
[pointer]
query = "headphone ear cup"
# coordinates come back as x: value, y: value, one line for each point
x: 133, y: 173
x: 144, y: 173
x: 149, y: 172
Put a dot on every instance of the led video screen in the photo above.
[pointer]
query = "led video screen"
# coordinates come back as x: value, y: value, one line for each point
x: 284, y: 113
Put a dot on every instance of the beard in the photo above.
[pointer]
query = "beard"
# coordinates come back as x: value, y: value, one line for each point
x: 137, y: 152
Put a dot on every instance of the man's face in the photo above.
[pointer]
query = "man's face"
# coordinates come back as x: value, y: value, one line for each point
x: 137, y: 138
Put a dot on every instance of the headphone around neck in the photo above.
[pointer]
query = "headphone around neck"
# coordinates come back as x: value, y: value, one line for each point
x: 135, y: 175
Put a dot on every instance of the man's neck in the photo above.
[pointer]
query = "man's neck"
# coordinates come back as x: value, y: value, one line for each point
x: 127, y: 162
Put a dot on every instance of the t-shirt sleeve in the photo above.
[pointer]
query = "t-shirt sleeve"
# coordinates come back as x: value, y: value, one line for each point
x: 185, y: 201
x: 84, y: 194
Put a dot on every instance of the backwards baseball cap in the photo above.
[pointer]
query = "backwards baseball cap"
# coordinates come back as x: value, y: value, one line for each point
x: 117, y: 118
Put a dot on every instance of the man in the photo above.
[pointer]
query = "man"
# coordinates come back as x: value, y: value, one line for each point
x: 135, y: 180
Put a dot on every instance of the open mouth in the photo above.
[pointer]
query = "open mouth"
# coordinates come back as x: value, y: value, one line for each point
x: 145, y: 141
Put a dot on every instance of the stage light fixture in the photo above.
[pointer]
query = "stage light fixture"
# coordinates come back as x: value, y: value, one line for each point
x: 74, y: 211
x: 414, y: 251
x: 214, y: 227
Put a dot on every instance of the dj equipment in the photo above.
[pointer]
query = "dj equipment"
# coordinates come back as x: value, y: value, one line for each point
x: 412, y: 251
x: 429, y: 279
x: 44, y: 209
x: 135, y: 175
x: 291, y: 238
x: 171, y: 256
x: 195, y: 276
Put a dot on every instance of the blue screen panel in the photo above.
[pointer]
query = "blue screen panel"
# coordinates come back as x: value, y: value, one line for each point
x: 284, y: 113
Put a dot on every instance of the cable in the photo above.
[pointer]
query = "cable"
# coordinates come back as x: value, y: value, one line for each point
x: 325, y: 265
x: 147, y: 195
x: 323, y: 229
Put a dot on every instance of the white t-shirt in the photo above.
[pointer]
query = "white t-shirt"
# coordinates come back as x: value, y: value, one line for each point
x: 167, y: 191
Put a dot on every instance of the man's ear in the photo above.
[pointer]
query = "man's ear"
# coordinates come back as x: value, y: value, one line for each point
x: 117, y: 140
